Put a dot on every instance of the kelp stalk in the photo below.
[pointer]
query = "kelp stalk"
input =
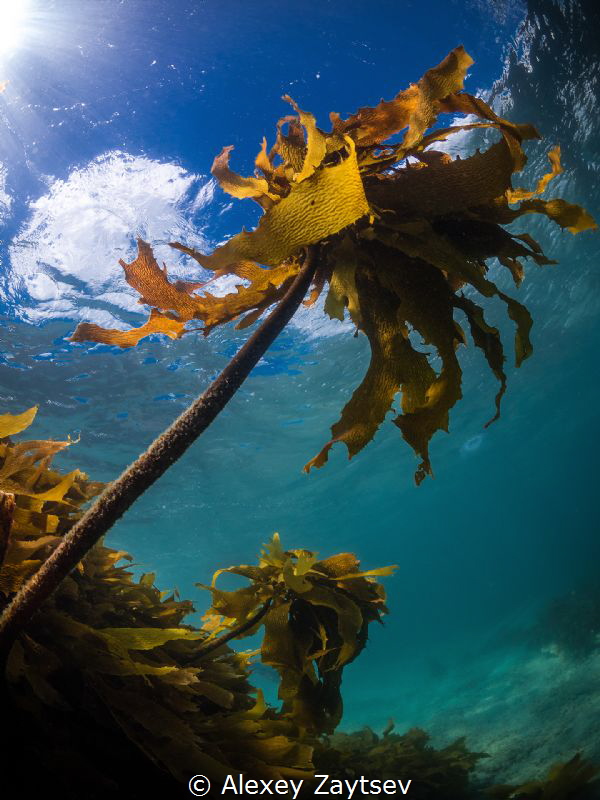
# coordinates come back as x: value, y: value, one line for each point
x: 151, y: 464
x: 214, y: 644
x: 7, y: 507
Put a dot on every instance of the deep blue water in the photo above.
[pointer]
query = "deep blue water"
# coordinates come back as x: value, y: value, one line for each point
x: 108, y: 127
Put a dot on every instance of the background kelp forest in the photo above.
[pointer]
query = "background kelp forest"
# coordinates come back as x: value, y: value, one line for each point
x: 111, y: 687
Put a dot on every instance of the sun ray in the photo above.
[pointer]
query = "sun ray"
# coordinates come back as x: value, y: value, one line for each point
x: 13, y: 21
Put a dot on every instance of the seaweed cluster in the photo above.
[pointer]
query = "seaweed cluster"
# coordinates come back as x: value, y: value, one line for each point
x: 113, y: 655
x: 441, y: 773
x: 572, y: 779
x: 315, y: 616
x: 404, y: 235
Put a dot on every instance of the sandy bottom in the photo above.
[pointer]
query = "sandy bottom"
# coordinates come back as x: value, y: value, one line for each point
x: 526, y: 709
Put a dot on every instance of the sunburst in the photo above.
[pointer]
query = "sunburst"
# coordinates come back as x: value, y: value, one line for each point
x: 14, y: 16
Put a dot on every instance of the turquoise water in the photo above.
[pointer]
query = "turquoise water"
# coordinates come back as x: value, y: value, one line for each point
x: 510, y: 521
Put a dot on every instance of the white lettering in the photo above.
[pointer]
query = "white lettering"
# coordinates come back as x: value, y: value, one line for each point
x: 229, y: 784
x: 349, y: 788
x: 296, y: 788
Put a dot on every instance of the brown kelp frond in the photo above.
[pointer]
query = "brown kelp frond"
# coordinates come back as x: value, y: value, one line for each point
x: 156, y: 323
x: 391, y: 301
x: 315, y: 623
x: 402, y: 230
x: 433, y: 774
x: 415, y: 108
x: 172, y: 305
x: 568, y: 781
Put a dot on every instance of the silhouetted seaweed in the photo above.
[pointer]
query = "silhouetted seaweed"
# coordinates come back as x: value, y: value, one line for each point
x: 434, y: 774
x: 569, y: 781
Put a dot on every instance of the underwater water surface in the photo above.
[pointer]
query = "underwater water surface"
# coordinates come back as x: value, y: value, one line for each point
x: 108, y: 126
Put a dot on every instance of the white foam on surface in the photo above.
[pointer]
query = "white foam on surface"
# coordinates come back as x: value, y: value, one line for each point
x: 69, y: 249
x: 5, y: 198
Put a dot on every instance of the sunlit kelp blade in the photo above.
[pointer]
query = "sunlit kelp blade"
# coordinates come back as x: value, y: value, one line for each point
x: 414, y: 108
x: 401, y: 230
x: 11, y: 424
x: 156, y: 323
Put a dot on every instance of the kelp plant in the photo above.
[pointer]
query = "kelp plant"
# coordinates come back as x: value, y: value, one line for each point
x: 396, y: 230
x: 315, y: 615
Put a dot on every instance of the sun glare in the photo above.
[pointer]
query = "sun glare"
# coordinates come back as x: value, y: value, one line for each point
x: 13, y: 20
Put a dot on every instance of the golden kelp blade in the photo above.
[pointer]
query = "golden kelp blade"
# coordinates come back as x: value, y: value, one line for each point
x: 516, y: 195
x: 147, y: 278
x: 236, y: 185
x: 572, y: 217
x: 267, y: 286
x: 342, y: 293
x: 11, y: 424
x: 46, y: 504
x: 328, y: 201
x: 157, y: 323
x: 316, y: 143
x: 415, y: 107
